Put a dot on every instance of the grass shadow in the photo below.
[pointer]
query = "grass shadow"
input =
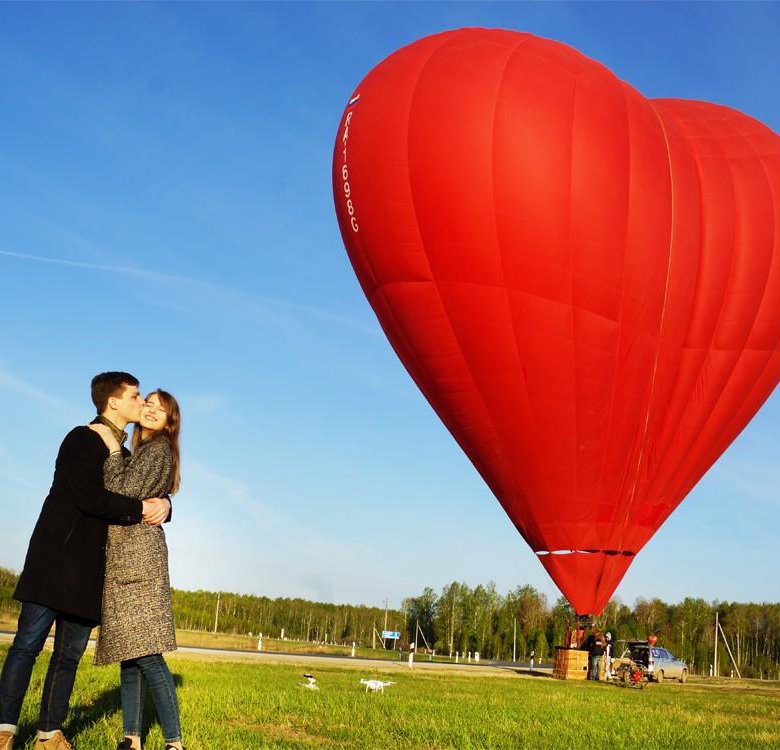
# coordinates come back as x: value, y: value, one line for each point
x: 79, y: 717
x: 525, y: 672
x: 83, y: 716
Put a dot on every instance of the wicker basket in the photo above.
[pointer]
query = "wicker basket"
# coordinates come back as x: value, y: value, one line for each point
x: 570, y: 664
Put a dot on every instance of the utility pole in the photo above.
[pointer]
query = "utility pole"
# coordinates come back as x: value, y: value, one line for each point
x: 715, y: 659
x: 728, y: 648
x: 386, y: 603
x: 216, y: 614
x: 514, y: 640
x: 452, y: 626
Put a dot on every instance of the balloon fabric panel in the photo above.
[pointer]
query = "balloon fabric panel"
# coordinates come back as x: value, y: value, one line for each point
x: 583, y: 283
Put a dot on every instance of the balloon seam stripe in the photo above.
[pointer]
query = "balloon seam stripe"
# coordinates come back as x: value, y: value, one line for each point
x: 642, y: 448
x: 522, y: 43
x: 621, y: 326
x: 672, y: 398
x: 680, y: 465
x: 573, y: 349
x: 488, y: 415
x: 598, y: 585
x: 736, y: 412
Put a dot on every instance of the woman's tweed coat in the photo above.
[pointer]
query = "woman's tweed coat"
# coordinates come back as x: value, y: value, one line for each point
x: 137, y: 619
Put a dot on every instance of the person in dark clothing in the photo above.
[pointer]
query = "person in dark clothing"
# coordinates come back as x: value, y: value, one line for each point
x: 596, y: 646
x: 62, y: 578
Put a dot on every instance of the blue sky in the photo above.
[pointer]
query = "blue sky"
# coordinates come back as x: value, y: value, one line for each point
x: 167, y: 210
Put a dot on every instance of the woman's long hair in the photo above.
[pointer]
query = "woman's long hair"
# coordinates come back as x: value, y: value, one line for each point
x: 170, y: 432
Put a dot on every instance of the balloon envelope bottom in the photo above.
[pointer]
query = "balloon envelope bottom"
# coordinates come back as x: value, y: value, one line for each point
x: 587, y: 578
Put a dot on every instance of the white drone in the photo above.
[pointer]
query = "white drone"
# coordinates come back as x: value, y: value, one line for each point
x: 310, y: 682
x: 375, y: 686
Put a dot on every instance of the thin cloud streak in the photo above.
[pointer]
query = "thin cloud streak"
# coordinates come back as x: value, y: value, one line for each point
x: 225, y: 295
x: 97, y: 267
x: 16, y: 384
x: 11, y: 471
x: 200, y: 404
x: 301, y: 543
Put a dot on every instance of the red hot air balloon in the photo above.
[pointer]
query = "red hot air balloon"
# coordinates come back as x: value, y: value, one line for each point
x: 584, y: 283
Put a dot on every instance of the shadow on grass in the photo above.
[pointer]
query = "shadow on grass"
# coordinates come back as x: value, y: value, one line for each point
x: 80, y: 717
x: 105, y: 705
x: 525, y: 672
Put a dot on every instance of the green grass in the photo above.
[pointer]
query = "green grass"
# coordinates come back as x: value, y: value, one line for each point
x: 234, y: 705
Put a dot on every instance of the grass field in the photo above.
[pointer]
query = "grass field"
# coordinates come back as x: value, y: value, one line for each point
x: 238, y: 705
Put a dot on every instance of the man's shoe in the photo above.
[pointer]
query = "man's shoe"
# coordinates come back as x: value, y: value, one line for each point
x: 57, y: 742
x: 125, y: 744
x: 6, y: 741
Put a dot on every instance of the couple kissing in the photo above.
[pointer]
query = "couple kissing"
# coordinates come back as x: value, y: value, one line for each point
x: 98, y: 555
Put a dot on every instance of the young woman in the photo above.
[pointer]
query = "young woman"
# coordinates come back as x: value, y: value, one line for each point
x: 137, y: 619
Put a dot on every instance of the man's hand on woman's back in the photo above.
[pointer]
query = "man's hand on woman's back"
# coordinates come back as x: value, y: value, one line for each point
x: 156, y: 510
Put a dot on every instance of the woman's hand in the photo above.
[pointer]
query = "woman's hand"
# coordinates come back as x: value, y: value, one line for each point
x: 107, y: 436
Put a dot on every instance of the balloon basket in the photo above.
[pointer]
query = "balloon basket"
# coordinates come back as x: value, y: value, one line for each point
x: 570, y: 664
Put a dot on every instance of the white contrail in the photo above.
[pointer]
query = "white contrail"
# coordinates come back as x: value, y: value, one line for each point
x: 15, y: 384
x: 99, y: 267
x: 224, y: 294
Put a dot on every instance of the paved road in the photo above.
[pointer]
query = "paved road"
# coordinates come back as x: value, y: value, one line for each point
x: 388, y: 665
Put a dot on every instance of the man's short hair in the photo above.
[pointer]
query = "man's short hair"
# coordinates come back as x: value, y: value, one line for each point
x: 107, y: 385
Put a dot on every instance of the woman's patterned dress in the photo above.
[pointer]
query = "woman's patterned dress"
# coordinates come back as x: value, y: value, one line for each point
x: 137, y: 619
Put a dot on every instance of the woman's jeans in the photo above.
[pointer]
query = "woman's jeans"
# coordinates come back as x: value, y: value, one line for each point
x: 151, y: 670
x: 70, y: 642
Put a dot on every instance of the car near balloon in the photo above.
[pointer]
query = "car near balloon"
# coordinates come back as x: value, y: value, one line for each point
x: 661, y: 664
x: 583, y: 282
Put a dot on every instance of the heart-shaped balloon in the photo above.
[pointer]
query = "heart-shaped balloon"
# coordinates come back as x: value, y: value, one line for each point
x: 584, y: 283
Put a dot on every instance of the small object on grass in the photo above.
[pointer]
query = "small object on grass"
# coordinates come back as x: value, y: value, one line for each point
x: 310, y: 682
x: 375, y: 686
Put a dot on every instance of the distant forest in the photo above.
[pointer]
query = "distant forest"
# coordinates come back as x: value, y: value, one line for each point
x: 465, y: 619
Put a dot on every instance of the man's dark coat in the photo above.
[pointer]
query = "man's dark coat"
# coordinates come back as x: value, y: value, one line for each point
x: 65, y: 561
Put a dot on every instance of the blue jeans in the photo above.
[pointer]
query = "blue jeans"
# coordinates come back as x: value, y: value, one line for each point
x: 135, y: 674
x: 70, y: 642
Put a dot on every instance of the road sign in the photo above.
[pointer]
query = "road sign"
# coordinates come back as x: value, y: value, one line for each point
x: 394, y: 634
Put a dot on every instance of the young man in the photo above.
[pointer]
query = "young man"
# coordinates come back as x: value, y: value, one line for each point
x: 62, y: 579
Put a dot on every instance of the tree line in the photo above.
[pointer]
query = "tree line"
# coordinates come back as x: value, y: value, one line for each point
x: 504, y: 627
x: 480, y: 619
x: 294, y: 618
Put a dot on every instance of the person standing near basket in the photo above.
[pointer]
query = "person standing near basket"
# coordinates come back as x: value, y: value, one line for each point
x: 596, y: 646
x: 137, y: 618
x: 608, y: 657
